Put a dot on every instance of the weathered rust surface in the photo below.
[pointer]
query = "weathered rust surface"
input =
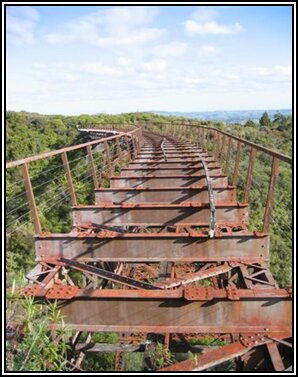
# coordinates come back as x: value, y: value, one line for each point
x: 170, y: 164
x: 150, y: 214
x: 152, y: 181
x: 187, y: 159
x: 157, y: 215
x: 136, y: 247
x: 168, y: 171
x: 164, y: 316
x: 222, y: 354
x: 163, y: 195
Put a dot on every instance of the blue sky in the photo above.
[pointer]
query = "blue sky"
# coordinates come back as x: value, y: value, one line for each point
x: 92, y: 59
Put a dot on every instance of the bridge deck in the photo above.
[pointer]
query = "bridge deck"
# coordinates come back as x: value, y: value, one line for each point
x: 165, y: 249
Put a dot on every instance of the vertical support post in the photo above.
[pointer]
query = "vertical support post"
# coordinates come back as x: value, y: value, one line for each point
x: 203, y: 138
x: 200, y: 136
x: 226, y: 171
x: 31, y: 198
x: 127, y: 148
x: 219, y: 137
x: 92, y: 167
x: 237, y: 162
x: 208, y: 139
x: 119, y: 152
x: 73, y: 199
x: 222, y: 146
x: 108, y: 157
x: 252, y: 158
x: 276, y: 359
x: 269, y: 201
x: 214, y: 143
x: 167, y: 340
x: 135, y: 150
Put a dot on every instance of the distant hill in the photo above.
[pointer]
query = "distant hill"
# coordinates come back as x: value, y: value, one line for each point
x: 226, y: 116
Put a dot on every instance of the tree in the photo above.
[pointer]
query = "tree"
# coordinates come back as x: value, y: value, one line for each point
x: 282, y: 122
x: 250, y: 123
x: 265, y: 120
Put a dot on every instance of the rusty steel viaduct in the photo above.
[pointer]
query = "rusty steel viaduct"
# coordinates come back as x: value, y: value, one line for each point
x: 165, y: 252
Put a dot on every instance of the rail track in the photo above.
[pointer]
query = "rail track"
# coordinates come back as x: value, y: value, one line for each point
x: 165, y: 253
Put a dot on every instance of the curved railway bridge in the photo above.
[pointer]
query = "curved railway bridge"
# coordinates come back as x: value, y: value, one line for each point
x: 165, y: 254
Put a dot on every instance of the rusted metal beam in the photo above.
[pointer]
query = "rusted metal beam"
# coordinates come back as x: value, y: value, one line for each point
x: 190, y: 278
x: 127, y: 144
x: 222, y: 146
x: 172, y: 316
x: 156, y: 247
x: 178, y: 159
x: 269, y: 202
x: 31, y: 198
x: 119, y: 150
x: 163, y: 195
x: 172, y: 164
x: 69, y: 179
x: 92, y: 166
x: 152, y: 181
x: 210, y: 358
x: 159, y: 214
x: 62, y: 150
x: 237, y: 162
x: 168, y: 171
x: 108, y: 275
x: 227, y: 166
x: 268, y: 151
x: 190, y: 292
x: 276, y: 359
x: 108, y: 158
x: 249, y: 174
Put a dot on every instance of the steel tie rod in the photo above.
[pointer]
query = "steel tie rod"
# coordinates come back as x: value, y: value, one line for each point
x: 108, y: 275
x: 211, y: 200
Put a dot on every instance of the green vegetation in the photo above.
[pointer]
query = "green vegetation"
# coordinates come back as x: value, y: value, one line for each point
x: 160, y: 356
x: 39, y: 349
x: 277, y: 135
x: 102, y: 361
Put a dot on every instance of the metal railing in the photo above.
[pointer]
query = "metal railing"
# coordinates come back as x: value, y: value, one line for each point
x: 227, y: 148
x: 111, y: 150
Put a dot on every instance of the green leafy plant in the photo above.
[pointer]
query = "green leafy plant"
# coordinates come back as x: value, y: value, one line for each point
x: 37, y: 348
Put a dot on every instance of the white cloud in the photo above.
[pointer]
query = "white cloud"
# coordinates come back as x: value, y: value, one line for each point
x: 204, y: 15
x: 157, y: 65
x: 171, y: 49
x: 278, y: 72
x: 232, y: 76
x: 124, y: 62
x: 262, y: 71
x: 20, y: 24
x: 211, y: 27
x: 283, y: 70
x: 110, y: 28
x: 207, y: 50
x: 102, y: 69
